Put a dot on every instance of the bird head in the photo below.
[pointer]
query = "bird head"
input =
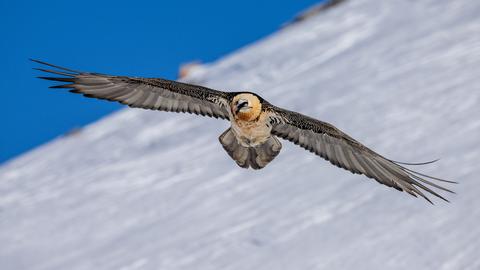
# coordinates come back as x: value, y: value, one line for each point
x: 246, y: 107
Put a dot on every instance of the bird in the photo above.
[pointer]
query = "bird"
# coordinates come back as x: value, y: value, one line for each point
x: 252, y: 140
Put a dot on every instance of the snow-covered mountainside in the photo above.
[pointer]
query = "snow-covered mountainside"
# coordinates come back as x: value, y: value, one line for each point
x: 153, y: 190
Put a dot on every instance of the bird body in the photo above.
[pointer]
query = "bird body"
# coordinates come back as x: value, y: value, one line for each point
x: 252, y: 133
x: 251, y: 139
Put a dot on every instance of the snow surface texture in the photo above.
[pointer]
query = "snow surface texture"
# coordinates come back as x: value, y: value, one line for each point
x: 153, y: 190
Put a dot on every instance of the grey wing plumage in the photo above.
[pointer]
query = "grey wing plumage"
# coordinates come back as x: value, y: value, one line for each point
x: 343, y: 151
x: 146, y: 93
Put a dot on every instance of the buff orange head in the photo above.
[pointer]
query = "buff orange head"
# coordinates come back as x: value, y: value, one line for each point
x: 246, y: 107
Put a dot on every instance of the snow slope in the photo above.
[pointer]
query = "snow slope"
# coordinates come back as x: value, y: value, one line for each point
x: 150, y: 190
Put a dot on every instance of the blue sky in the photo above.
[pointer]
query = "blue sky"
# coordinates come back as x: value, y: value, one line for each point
x: 142, y: 38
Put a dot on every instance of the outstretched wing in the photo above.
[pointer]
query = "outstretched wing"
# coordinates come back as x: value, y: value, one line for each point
x: 146, y: 93
x: 343, y: 151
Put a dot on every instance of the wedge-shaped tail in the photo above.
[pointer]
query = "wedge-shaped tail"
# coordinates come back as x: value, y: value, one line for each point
x: 255, y: 157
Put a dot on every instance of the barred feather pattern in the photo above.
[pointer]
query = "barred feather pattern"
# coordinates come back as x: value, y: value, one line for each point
x: 147, y: 93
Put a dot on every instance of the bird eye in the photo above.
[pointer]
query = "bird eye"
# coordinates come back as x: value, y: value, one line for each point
x: 242, y: 103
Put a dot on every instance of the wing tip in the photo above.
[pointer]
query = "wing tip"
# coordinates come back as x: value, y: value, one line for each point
x: 54, y: 66
x: 415, y: 163
x: 57, y: 79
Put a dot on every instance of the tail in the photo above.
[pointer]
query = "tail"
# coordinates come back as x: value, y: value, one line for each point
x: 255, y: 157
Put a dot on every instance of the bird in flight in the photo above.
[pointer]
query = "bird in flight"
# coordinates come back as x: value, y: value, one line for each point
x: 251, y: 139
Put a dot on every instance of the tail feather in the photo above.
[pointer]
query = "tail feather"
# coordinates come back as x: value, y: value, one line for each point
x: 254, y: 157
